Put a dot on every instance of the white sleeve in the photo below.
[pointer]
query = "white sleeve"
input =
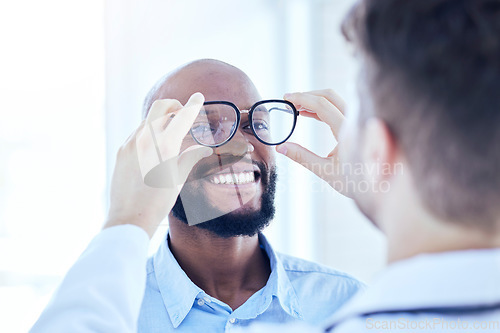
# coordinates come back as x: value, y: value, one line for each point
x: 103, y: 290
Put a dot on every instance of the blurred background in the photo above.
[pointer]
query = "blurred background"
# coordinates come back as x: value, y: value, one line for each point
x: 73, y: 79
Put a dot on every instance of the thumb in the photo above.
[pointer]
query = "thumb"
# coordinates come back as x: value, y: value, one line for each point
x: 196, y: 101
x: 303, y: 156
x: 189, y: 158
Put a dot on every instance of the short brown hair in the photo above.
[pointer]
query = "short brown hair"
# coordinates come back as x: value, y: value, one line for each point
x: 433, y: 72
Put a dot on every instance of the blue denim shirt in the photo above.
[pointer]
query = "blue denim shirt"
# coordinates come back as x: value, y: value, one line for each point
x: 297, y: 290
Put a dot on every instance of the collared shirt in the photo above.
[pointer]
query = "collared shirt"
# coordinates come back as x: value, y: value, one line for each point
x: 443, y: 292
x: 297, y: 290
x: 446, y: 292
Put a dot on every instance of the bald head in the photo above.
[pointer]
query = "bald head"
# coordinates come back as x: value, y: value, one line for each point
x: 215, y: 79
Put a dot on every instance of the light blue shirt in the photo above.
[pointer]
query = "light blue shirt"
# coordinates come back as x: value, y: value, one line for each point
x: 297, y: 290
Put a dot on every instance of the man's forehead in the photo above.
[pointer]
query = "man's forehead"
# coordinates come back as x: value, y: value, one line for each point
x: 214, y: 83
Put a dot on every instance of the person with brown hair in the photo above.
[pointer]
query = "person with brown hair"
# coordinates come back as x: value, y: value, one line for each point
x: 429, y: 83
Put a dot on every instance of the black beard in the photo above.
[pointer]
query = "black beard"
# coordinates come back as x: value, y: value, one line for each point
x: 244, y: 222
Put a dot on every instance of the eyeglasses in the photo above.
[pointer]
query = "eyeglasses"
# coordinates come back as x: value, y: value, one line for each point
x: 271, y: 121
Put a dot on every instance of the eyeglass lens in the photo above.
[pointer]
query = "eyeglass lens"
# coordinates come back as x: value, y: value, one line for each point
x: 215, y: 124
x: 272, y: 122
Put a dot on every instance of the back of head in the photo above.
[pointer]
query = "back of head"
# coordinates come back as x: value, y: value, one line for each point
x: 432, y: 70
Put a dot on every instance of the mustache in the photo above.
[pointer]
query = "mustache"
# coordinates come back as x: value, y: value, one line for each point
x: 220, y: 162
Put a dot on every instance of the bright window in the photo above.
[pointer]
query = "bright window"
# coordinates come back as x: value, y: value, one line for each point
x: 52, y: 156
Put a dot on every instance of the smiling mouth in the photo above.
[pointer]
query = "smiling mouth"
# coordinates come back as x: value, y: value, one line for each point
x: 229, y: 171
x: 246, y: 177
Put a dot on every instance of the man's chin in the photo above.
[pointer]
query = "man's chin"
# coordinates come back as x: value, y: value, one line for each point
x: 196, y: 207
x: 245, y: 221
x: 241, y: 223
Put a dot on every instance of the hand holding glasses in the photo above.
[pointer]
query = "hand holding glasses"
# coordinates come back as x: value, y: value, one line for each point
x: 271, y: 121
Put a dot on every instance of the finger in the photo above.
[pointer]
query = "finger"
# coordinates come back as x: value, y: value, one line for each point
x: 135, y: 134
x: 148, y: 151
x: 159, y: 112
x: 173, y: 172
x: 333, y: 97
x: 308, y: 114
x: 326, y: 111
x: 304, y: 157
x: 181, y: 124
x: 189, y: 158
x: 157, y: 146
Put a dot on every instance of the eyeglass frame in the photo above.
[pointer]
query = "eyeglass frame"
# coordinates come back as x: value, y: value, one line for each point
x: 250, y: 118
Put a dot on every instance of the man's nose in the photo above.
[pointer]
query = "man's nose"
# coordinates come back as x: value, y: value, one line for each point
x: 239, y: 145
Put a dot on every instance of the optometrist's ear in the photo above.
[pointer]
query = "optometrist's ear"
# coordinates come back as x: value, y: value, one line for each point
x: 379, y: 149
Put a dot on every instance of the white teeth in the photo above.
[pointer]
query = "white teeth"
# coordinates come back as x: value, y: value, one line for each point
x: 240, y: 178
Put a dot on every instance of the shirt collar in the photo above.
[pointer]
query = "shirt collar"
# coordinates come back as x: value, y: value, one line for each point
x: 448, y: 279
x: 278, y: 284
x: 179, y: 292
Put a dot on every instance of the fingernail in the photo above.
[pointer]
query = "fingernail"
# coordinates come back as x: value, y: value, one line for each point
x: 282, y: 149
x: 197, y: 95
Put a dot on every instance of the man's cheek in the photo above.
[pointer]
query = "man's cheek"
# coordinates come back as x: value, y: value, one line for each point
x: 271, y: 157
x: 264, y: 154
x: 187, y: 142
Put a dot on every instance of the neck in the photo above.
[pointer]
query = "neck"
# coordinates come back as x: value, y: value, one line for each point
x: 442, y: 237
x: 229, y: 269
x: 411, y: 230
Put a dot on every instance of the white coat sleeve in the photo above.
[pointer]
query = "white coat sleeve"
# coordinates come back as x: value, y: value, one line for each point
x: 103, y: 290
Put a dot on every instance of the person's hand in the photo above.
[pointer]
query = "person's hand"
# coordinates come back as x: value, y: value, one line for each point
x: 328, y: 107
x: 154, y: 145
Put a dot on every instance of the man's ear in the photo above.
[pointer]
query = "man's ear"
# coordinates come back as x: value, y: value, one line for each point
x: 379, y: 150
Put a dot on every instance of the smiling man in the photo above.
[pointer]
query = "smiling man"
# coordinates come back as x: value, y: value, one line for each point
x: 215, y: 268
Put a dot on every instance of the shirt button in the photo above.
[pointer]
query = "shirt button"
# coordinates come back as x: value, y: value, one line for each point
x: 201, y: 302
x: 232, y: 320
x: 206, y: 299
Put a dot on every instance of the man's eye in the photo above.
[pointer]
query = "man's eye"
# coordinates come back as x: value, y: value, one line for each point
x: 200, y: 128
x: 260, y: 126
x: 246, y: 127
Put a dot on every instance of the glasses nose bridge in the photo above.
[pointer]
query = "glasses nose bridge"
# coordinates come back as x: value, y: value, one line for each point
x: 240, y: 134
